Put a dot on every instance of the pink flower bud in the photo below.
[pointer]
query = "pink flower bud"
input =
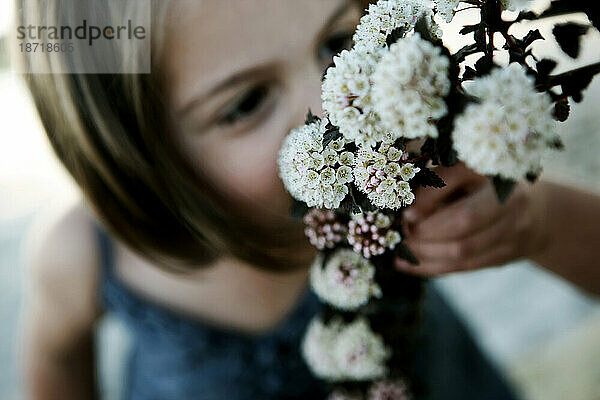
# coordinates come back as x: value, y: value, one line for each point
x: 373, y: 181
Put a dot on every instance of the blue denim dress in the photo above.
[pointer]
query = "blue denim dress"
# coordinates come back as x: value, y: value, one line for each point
x: 175, y: 357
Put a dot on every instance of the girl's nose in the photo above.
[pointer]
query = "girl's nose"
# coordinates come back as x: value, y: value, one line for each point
x: 305, y: 93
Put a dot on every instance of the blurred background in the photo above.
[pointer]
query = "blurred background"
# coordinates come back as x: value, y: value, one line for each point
x: 543, y: 333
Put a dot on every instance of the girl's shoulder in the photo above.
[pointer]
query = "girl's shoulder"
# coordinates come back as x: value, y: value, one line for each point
x: 61, y: 263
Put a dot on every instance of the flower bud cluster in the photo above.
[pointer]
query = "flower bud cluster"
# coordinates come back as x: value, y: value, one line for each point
x: 373, y: 233
x: 324, y: 228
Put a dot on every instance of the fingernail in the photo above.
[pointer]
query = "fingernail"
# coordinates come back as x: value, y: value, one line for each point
x: 411, y: 215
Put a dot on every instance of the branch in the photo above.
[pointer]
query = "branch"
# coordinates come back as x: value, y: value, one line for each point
x: 510, y: 41
x: 555, y: 80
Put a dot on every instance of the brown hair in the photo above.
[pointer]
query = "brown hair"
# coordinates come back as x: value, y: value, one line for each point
x: 111, y: 132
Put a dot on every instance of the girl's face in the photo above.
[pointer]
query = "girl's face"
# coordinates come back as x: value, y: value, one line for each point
x: 240, y: 75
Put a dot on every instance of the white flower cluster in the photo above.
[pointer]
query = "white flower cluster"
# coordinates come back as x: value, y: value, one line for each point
x: 385, y: 16
x: 362, y: 352
x: 346, y: 95
x: 347, y: 280
x: 409, y: 86
x: 516, y: 5
x: 446, y: 8
x: 372, y: 234
x: 381, y: 174
x: 339, y: 351
x: 510, y: 129
x: 317, y: 348
x: 315, y: 175
x: 324, y: 229
x: 373, y: 93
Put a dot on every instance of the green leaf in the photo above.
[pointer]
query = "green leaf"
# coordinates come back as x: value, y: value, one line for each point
x: 395, y: 35
x: 470, y: 28
x: 348, y: 205
x: 562, y: 109
x: 331, y: 64
x: 426, y: 177
x: 400, y: 143
x: 483, y: 66
x: 545, y: 66
x: 575, y: 84
x: 465, y: 51
x: 422, y: 27
x: 503, y: 187
x: 557, y: 144
x: 298, y: 209
x: 428, y: 146
x: 310, y: 118
x: 402, y: 251
x: 525, y: 15
x: 469, y: 74
x: 565, y: 7
x: 533, y: 176
x: 362, y: 200
x: 568, y: 37
x: 332, y: 132
x: 531, y: 37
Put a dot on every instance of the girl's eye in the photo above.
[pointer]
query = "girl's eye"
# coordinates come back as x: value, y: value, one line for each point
x: 334, y: 44
x: 247, y: 105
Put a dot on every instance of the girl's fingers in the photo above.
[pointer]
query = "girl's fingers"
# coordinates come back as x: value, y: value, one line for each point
x: 495, y: 256
x: 457, y: 178
x: 468, y: 246
x: 511, y: 237
x: 467, y: 215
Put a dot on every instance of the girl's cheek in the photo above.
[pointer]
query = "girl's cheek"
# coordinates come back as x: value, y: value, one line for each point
x: 243, y: 165
x: 245, y: 169
x: 259, y: 183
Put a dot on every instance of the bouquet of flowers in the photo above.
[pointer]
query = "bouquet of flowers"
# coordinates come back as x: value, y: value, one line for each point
x: 352, y: 171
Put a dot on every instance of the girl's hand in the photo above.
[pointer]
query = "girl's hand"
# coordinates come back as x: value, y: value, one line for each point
x: 464, y: 227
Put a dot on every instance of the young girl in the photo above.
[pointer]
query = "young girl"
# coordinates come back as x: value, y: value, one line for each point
x: 183, y: 229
